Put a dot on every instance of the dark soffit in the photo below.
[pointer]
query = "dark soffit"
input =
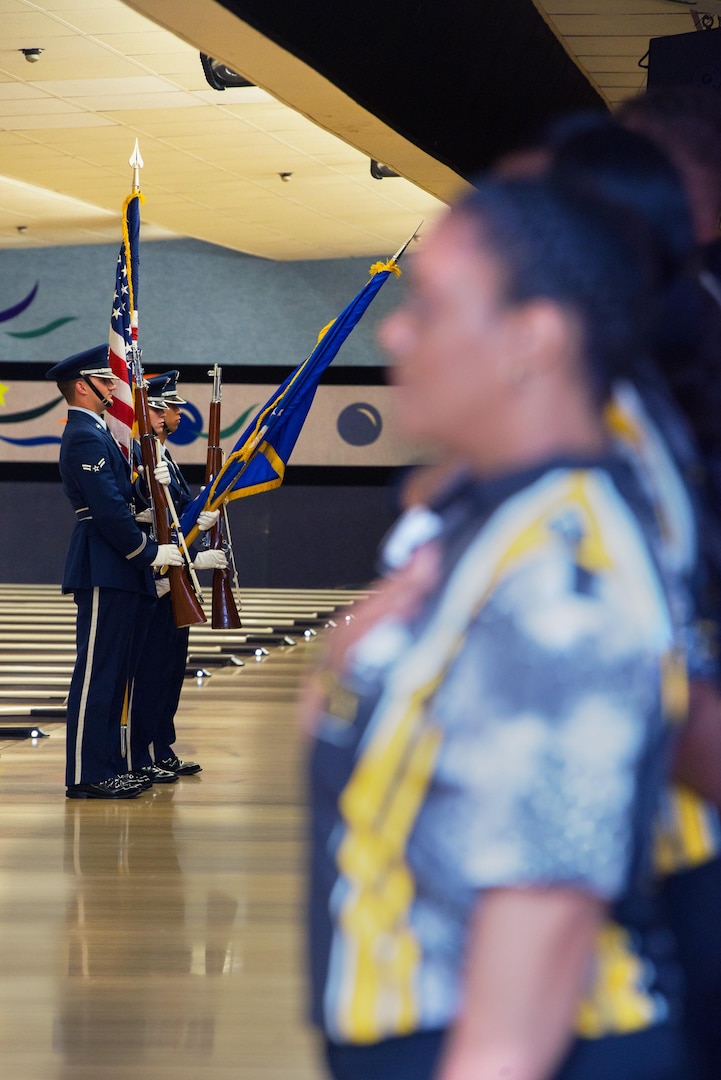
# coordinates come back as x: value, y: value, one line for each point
x: 464, y: 80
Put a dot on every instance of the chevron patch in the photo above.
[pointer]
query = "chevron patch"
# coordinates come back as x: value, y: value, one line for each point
x: 94, y: 468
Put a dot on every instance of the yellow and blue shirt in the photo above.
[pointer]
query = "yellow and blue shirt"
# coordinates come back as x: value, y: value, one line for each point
x: 514, y: 732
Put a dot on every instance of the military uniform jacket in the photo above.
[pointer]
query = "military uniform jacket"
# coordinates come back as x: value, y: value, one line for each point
x: 180, y: 491
x: 107, y: 547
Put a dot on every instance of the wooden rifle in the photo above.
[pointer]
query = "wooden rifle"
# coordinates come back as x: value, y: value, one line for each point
x: 186, y: 606
x: 225, y: 612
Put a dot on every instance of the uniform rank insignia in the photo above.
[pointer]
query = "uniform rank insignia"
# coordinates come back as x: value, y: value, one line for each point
x: 95, y: 468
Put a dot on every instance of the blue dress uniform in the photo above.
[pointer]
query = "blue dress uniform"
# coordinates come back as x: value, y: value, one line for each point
x: 107, y: 570
x: 160, y: 672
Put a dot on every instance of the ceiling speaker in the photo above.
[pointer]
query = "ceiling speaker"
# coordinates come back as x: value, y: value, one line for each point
x: 219, y: 75
x: 686, y: 60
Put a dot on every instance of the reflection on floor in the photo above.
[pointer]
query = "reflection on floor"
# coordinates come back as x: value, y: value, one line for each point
x: 163, y: 936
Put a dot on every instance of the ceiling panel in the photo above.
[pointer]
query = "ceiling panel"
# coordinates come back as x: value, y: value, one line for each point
x: 46, y: 122
x: 62, y: 7
x: 108, y: 75
x: 99, y: 20
x: 35, y: 217
x: 13, y: 90
x: 31, y: 25
x: 41, y: 104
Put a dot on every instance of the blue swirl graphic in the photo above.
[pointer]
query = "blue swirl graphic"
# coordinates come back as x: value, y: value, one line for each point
x: 39, y: 440
x: 17, y: 309
x: 191, y: 426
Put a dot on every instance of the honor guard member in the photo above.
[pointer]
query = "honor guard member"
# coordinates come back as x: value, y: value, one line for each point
x: 161, y: 669
x: 108, y: 571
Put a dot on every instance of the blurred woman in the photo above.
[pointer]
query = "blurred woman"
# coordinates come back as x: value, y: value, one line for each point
x: 665, y: 420
x: 490, y: 734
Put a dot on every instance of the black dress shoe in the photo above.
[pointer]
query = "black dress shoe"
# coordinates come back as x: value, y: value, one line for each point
x: 180, y: 768
x: 155, y: 775
x: 139, y: 778
x: 118, y: 787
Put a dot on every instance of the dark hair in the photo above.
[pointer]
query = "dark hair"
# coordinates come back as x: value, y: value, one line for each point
x: 67, y: 388
x: 576, y: 250
x: 632, y: 170
x: 686, y: 122
x: 627, y: 168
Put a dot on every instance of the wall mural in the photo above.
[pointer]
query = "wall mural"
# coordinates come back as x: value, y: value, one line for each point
x: 347, y: 425
x: 41, y: 331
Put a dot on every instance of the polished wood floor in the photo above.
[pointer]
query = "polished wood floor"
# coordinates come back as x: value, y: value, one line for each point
x: 160, y: 937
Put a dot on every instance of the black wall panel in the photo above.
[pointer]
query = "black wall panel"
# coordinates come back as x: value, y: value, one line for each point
x: 300, y: 536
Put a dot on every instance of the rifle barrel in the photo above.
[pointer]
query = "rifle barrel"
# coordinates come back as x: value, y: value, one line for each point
x: 186, y: 606
x: 224, y: 611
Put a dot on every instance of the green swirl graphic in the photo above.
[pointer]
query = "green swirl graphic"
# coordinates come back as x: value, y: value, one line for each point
x: 31, y: 414
x: 227, y: 432
x: 43, y: 329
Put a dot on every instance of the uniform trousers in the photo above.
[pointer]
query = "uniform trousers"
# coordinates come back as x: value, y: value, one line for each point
x: 108, y: 637
x: 157, y: 686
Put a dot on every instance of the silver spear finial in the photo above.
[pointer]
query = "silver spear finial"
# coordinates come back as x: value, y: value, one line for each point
x: 403, y: 247
x: 136, y: 164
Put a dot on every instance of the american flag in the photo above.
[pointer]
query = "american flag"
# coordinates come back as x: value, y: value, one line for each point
x: 124, y: 327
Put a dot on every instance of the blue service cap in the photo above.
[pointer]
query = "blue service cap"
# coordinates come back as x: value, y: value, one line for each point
x: 155, y: 387
x: 169, y: 391
x: 90, y: 362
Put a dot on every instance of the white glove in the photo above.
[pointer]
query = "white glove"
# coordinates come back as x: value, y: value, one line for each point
x: 207, y: 519
x: 161, y: 473
x: 211, y: 560
x: 162, y: 586
x: 168, y: 555
x: 145, y: 517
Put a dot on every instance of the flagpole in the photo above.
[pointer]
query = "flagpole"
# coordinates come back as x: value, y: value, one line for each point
x: 123, y: 324
x: 136, y: 163
x: 186, y: 601
x: 401, y: 250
